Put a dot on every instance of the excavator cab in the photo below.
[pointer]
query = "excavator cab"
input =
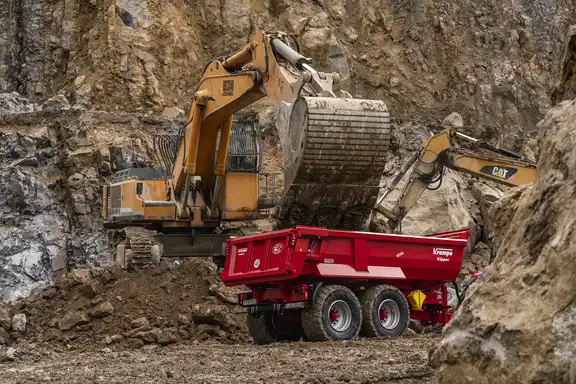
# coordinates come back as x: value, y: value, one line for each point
x: 141, y: 194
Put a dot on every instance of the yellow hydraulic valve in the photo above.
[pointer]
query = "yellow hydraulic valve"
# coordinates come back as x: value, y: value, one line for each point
x: 416, y: 299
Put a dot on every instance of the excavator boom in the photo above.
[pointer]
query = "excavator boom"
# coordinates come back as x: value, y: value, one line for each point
x: 334, y: 147
x: 501, y: 165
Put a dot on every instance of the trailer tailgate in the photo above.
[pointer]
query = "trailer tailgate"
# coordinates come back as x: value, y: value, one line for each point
x: 262, y: 256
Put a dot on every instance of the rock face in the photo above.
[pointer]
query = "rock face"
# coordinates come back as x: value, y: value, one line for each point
x: 491, y: 62
x: 519, y: 325
x: 52, y: 164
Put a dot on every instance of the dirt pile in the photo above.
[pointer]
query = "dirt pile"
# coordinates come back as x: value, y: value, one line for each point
x: 86, y: 309
x: 518, y: 326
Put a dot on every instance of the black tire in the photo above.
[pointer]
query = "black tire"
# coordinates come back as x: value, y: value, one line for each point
x: 316, y: 319
x: 381, y: 297
x: 269, y: 327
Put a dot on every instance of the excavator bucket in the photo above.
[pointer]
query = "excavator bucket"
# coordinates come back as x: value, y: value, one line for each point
x: 334, y: 156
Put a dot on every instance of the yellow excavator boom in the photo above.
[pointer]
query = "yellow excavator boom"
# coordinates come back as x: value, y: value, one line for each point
x: 501, y: 165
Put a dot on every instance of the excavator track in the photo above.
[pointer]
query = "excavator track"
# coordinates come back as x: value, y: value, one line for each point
x: 335, y: 151
x: 139, y: 242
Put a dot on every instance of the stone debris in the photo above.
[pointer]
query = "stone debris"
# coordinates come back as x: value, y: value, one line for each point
x: 10, y: 354
x: 19, y: 322
x: 56, y: 103
x: 5, y: 318
x: 102, y: 310
x: 73, y: 319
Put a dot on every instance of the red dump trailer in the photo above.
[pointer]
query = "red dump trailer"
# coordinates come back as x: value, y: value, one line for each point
x: 322, y: 284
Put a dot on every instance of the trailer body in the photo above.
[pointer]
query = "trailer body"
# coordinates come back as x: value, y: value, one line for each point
x: 284, y: 269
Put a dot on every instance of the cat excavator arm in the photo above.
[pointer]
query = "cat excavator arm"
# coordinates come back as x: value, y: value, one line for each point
x: 497, y: 164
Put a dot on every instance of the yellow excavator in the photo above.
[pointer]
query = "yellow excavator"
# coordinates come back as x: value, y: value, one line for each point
x: 334, y: 149
x: 482, y: 159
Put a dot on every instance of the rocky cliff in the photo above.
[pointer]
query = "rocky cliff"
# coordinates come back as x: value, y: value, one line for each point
x: 52, y: 164
x: 519, y: 325
x: 491, y: 61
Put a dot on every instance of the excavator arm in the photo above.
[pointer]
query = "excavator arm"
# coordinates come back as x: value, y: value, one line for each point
x: 334, y: 148
x: 502, y: 166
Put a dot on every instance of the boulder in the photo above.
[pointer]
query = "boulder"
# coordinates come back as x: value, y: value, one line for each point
x: 73, y: 319
x: 5, y: 318
x: 173, y: 112
x: 14, y: 103
x: 213, y: 315
x: 183, y: 319
x: 517, y: 326
x: 102, y: 310
x: 134, y: 13
x: 19, y: 322
x: 10, y: 354
x: 453, y: 120
x: 165, y: 337
x: 56, y: 103
x: 4, y: 336
x: 147, y: 337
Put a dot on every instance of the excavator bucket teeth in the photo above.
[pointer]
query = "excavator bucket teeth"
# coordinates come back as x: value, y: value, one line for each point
x: 334, y: 156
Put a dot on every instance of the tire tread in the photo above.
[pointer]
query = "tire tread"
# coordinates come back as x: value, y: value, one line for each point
x: 312, y: 321
x: 367, y: 299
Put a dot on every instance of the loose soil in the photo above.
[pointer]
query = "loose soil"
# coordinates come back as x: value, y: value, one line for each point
x: 402, y: 360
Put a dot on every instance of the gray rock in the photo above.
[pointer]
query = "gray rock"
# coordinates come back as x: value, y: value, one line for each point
x: 14, y: 103
x: 410, y: 333
x: 102, y: 310
x: 83, y: 96
x: 19, y: 322
x: 173, y: 112
x: 4, y: 336
x: 165, y: 337
x: 116, y: 338
x: 73, y: 319
x: 453, y: 120
x: 350, y: 33
x: 156, y: 252
x: 140, y: 322
x: 11, y: 354
x: 56, y: 103
x: 183, y: 319
x: 5, y: 318
x: 415, y: 326
x: 134, y: 13
x: 147, y: 337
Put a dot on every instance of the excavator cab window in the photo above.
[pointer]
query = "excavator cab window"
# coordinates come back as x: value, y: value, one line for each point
x: 244, y: 147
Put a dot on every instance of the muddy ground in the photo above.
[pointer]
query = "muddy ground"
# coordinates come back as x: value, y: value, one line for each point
x: 363, y: 361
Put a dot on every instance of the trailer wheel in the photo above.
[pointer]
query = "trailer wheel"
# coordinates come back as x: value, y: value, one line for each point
x: 385, y: 311
x: 269, y: 327
x: 336, y: 314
